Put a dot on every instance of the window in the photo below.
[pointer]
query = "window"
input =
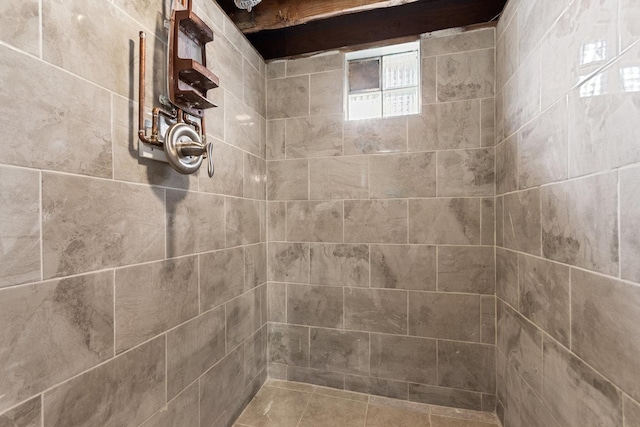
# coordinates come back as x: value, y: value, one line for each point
x: 383, y: 82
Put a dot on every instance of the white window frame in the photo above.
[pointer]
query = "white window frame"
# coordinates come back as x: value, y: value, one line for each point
x: 381, y: 52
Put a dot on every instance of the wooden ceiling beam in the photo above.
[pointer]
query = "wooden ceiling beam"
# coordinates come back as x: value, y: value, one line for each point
x: 275, y: 14
x: 414, y: 18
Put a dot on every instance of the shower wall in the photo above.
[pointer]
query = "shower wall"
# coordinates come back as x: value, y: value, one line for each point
x: 129, y: 294
x: 568, y: 213
x: 381, y: 232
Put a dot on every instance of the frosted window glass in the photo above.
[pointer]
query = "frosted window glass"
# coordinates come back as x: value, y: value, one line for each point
x: 365, y: 106
x: 401, y: 102
x: 400, y: 70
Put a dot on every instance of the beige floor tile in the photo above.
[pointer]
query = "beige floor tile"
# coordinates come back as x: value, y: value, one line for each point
x: 465, y: 414
x: 349, y: 395
x: 438, y: 421
x: 325, y: 411
x: 384, y: 416
x: 290, y: 385
x: 275, y: 407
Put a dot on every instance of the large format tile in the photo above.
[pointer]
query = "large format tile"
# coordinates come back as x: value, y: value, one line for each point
x: 629, y: 216
x: 125, y: 391
x: 275, y: 407
x: 576, y: 394
x: 314, y: 221
x: 288, y: 180
x: 71, y: 145
x: 255, y: 177
x: 507, y: 276
x: 21, y: 26
x: 152, y: 298
x: 315, y: 64
x: 453, y: 221
x: 340, y: 351
x: 521, y: 343
x: 192, y: 348
x: 401, y: 358
x: 375, y: 221
x: 242, y: 318
x: 325, y: 93
x: 375, y: 136
x: 447, y: 316
x: 221, y: 388
x: 244, y: 221
x: 605, y: 313
x: 340, y: 265
x: 52, y: 331
x: 403, y: 267
x: 522, y: 95
x: 195, y: 222
x: 450, y: 125
x: 339, y: 178
x: 242, y: 126
x: 254, y: 89
x: 376, y: 386
x: 631, y: 412
x: 466, y: 366
x: 219, y: 278
x: 466, y: 269
x: 289, y: 262
x: 71, y: 241
x: 288, y: 344
x: 522, y: 221
x: 507, y: 165
x: 545, y: 296
x: 28, y: 414
x: 255, y: 265
x: 402, y: 175
x: 466, y: 173
x: 325, y: 411
x: 182, y: 410
x: 225, y: 61
x: 466, y: 75
x: 275, y: 136
x: 375, y: 310
x: 19, y: 226
x: 288, y: 97
x: 316, y: 136
x: 315, y: 305
x: 316, y: 376
x: 580, y: 222
x: 543, y: 149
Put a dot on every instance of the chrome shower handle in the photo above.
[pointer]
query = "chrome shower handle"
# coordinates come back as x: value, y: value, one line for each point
x: 211, y: 169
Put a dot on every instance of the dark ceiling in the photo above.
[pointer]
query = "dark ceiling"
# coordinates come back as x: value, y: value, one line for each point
x: 283, y: 28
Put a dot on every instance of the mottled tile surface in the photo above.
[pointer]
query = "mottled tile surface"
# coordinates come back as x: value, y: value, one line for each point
x: 289, y: 262
x: 325, y: 92
x: 339, y: 265
x: 466, y: 75
x: 316, y: 136
x: 287, y: 180
x: 20, y: 26
x: 450, y: 125
x: 219, y: 281
x: 181, y: 410
x: 402, y: 175
x: 288, y: 97
x: 447, y: 316
x: 580, y: 223
x: 19, y: 226
x: 339, y: 178
x: 375, y: 310
x: 403, y: 358
x: 507, y: 276
x: 403, y: 267
x: 629, y: 217
x: 522, y: 229
x: 575, y: 394
x: 466, y: 365
x: 445, y: 396
x: 324, y: 411
x: 152, y: 298
x: 288, y: 344
x: 314, y: 221
x: 377, y: 221
x: 603, y: 332
x: 73, y: 244
x: 382, y: 416
x: 466, y: 173
x: 52, y: 331
x: 340, y: 351
x: 315, y: 305
x: 275, y: 407
x: 375, y: 136
x: 466, y: 269
x: 453, y: 221
x: 28, y: 414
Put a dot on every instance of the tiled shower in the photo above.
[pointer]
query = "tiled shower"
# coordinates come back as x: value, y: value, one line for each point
x: 484, y: 254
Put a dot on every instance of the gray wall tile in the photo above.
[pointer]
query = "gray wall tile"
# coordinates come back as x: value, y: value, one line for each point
x: 629, y: 215
x: 340, y: 265
x: 447, y: 126
x: 375, y: 136
x: 152, y: 298
x: 340, y: 351
x: 466, y: 173
x: 219, y: 278
x: 522, y: 229
x: 314, y: 221
x: 402, y: 175
x: 466, y: 75
x: 28, y: 414
x: 375, y: 310
x: 52, y: 331
x: 242, y: 318
x: 447, y: 316
x: 287, y: 180
x: 466, y: 269
x: 339, y: 178
x: 243, y: 221
x: 404, y: 358
x: 376, y: 221
x: 289, y: 344
x: 317, y: 136
x: 19, y: 226
x: 376, y: 386
x: 445, y: 396
x: 315, y: 305
x: 466, y: 366
x: 288, y: 97
x: 289, y: 262
x: 403, y: 267
x: 454, y: 221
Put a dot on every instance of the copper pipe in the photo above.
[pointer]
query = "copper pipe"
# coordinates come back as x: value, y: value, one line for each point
x: 204, y: 132
x: 142, y: 68
x: 192, y: 123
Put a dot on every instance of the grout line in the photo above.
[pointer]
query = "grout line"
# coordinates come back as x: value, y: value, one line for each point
x: 41, y: 34
x: 40, y: 218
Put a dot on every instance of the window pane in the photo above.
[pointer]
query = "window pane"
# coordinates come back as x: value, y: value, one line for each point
x: 400, y: 70
x: 365, y: 106
x: 364, y: 75
x: 401, y: 102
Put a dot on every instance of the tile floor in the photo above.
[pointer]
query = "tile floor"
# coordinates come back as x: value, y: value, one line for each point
x: 291, y: 404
